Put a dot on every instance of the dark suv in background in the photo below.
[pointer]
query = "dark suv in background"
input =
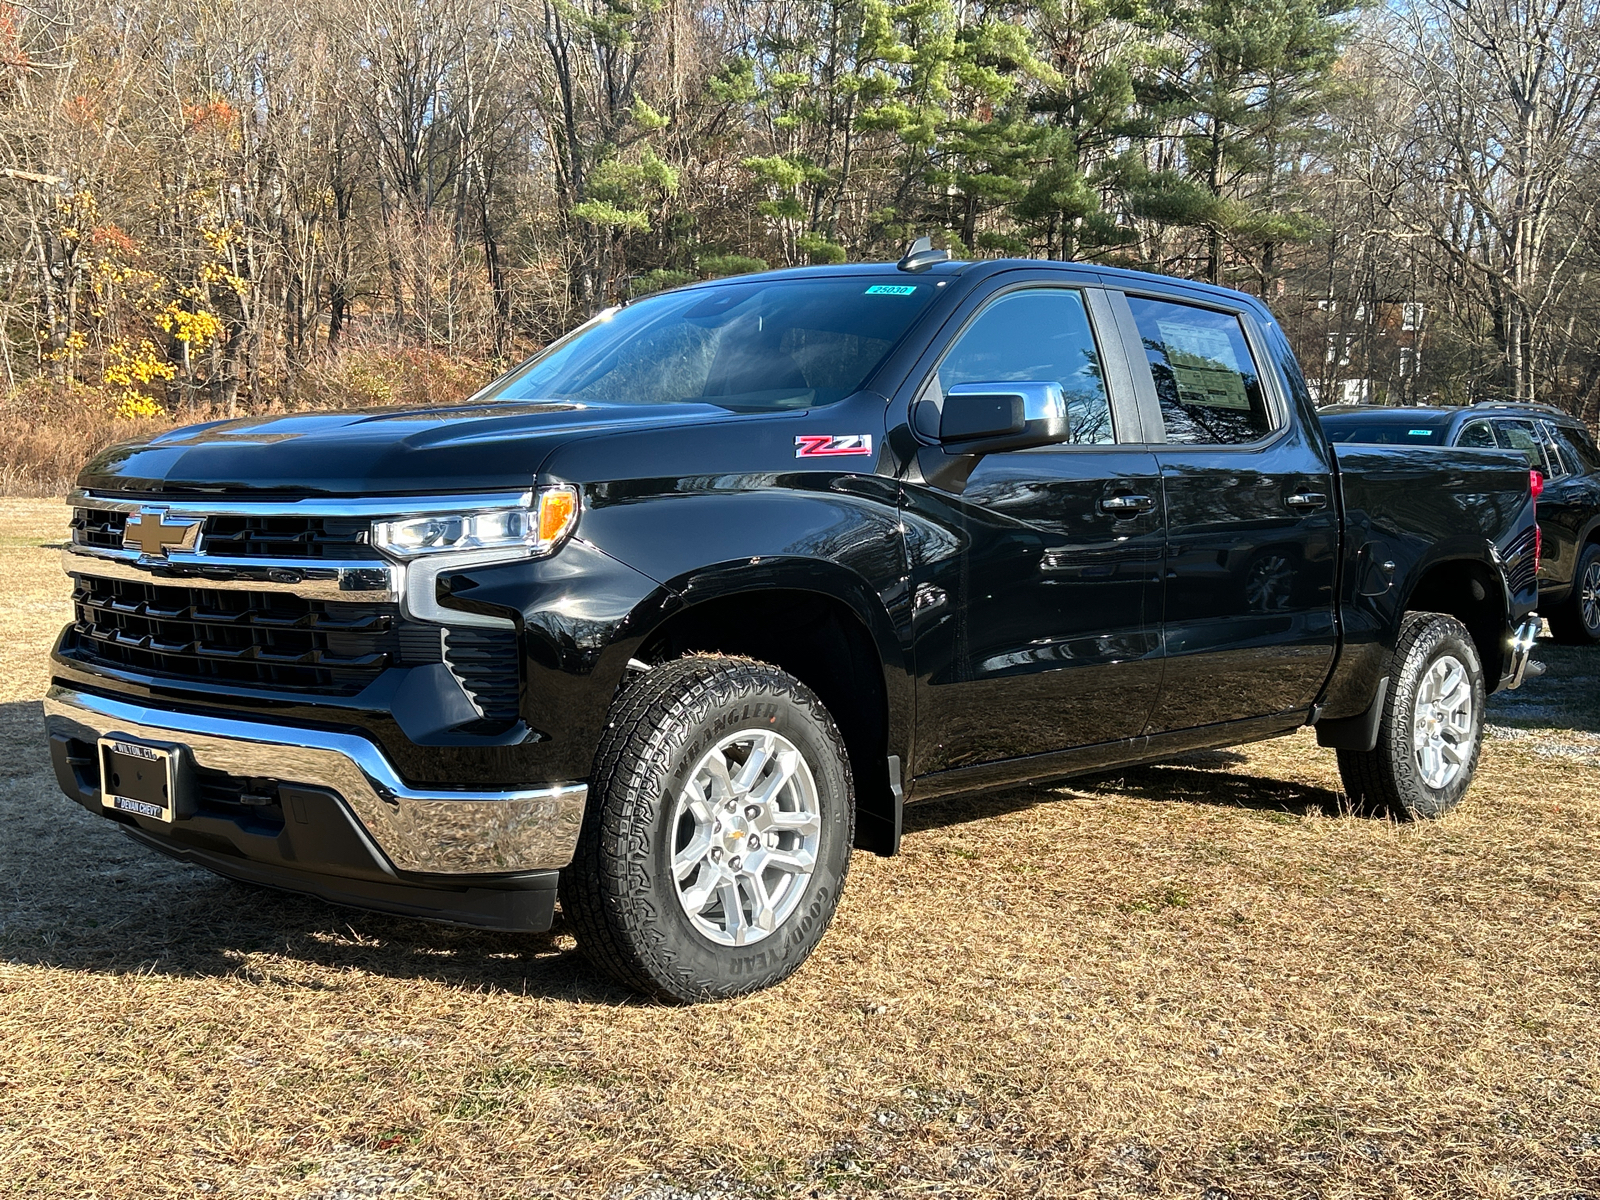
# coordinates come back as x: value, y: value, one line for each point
x: 1558, y: 446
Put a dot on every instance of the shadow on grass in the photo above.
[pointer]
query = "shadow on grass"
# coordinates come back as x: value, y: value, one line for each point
x: 77, y: 894
x: 1203, y: 777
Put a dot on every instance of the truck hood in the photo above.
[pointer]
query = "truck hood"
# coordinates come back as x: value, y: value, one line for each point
x: 394, y: 451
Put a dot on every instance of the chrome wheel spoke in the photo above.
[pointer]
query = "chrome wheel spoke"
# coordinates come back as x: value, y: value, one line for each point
x: 784, y: 766
x: 760, y: 753
x: 692, y: 855
x: 795, y: 862
x: 716, y: 767
x: 777, y: 820
x: 697, y: 897
x: 733, y: 921
x: 765, y: 913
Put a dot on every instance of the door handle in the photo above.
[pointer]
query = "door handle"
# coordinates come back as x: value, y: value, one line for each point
x: 1306, y: 500
x: 1127, y: 506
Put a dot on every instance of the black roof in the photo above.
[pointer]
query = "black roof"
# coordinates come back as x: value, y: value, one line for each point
x: 1443, y: 413
x: 1115, y: 276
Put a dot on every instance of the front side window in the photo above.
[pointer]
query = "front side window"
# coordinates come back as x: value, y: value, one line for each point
x: 1477, y: 435
x: 756, y: 346
x: 1208, y: 385
x: 1039, y: 335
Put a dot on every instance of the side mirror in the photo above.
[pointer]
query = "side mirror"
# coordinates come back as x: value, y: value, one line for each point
x: 981, y: 418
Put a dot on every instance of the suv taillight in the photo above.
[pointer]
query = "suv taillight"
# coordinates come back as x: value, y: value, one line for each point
x: 1536, y: 486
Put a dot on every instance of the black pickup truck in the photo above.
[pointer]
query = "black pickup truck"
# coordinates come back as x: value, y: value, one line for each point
x: 671, y: 616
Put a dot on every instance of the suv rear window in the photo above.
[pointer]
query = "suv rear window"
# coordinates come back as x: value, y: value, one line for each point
x: 1382, y: 433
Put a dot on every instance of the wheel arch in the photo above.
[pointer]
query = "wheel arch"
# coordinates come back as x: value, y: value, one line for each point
x: 821, y: 623
x: 1473, y: 591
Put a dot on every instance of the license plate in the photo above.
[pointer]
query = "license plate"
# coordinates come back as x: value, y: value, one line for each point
x: 136, y: 778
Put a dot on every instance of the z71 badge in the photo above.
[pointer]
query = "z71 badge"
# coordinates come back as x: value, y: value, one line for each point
x: 830, y: 445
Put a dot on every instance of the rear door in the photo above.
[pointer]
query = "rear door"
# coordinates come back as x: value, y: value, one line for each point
x: 1252, y: 528
x: 1558, y: 551
x: 1036, y: 573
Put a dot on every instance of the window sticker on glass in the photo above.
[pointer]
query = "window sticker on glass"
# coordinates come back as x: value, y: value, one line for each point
x: 892, y: 289
x: 1204, y: 366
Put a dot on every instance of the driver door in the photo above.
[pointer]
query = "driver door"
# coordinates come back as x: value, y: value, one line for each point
x: 1037, y: 572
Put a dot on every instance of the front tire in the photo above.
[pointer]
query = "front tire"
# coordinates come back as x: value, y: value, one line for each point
x: 1576, y: 620
x: 1432, y: 727
x: 717, y: 835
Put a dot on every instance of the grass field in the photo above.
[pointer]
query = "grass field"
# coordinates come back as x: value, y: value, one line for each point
x: 1191, y: 980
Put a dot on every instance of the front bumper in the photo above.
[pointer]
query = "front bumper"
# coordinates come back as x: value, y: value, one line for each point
x: 408, y: 830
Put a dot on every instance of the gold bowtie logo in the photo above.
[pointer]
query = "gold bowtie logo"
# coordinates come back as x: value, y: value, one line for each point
x: 151, y: 533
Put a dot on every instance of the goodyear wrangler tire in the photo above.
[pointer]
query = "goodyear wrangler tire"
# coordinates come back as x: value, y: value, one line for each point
x: 717, y: 834
x: 1432, y: 726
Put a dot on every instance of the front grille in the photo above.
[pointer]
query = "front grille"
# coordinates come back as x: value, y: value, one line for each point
x: 342, y: 538
x: 97, y: 527
x: 251, y: 638
x: 288, y: 537
x: 484, y: 662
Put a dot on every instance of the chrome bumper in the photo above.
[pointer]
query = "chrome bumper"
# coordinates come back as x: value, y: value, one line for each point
x: 435, y: 832
x: 1517, y: 654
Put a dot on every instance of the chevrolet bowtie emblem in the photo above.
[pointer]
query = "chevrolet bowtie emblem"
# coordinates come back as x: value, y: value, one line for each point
x: 149, y: 532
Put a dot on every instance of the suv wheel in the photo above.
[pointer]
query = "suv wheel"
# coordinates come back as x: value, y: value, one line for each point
x: 1432, y: 725
x: 1576, y: 621
x: 717, y: 834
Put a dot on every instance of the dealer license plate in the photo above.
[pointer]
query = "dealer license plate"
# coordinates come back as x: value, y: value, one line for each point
x: 136, y: 778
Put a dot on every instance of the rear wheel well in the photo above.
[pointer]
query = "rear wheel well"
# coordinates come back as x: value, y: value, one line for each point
x: 1468, y: 591
x: 821, y: 642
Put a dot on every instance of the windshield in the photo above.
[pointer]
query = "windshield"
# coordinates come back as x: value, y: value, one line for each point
x: 759, y: 346
x: 1383, y: 433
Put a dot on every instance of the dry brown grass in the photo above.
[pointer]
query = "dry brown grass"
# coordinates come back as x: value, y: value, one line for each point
x: 1192, y: 980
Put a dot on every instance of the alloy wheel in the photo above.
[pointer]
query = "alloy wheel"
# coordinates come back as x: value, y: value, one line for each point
x: 1442, y: 722
x: 745, y: 833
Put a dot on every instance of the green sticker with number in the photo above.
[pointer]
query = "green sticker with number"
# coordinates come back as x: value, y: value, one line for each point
x: 892, y: 289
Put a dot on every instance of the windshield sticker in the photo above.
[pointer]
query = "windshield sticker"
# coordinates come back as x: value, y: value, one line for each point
x: 831, y: 445
x: 892, y: 289
x: 1421, y: 433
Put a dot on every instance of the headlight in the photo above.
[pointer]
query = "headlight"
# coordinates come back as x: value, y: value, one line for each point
x: 532, y: 531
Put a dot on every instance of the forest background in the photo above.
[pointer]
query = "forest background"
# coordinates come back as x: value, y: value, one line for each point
x: 213, y: 207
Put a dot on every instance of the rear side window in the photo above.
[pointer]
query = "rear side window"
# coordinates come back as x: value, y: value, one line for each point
x: 1577, y: 446
x: 1560, y: 464
x: 1208, y: 384
x: 1038, y: 335
x: 1477, y: 435
x: 1519, y: 435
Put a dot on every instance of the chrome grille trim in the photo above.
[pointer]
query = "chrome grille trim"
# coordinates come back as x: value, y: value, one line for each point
x: 374, y: 582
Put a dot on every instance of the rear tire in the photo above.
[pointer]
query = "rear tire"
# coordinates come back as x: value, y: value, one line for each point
x: 717, y: 835
x: 1576, y: 620
x: 1432, y: 726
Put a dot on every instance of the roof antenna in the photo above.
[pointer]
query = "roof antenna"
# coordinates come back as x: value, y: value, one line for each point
x: 922, y: 255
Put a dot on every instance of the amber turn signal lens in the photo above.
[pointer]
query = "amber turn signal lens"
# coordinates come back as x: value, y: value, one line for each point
x: 558, y: 508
